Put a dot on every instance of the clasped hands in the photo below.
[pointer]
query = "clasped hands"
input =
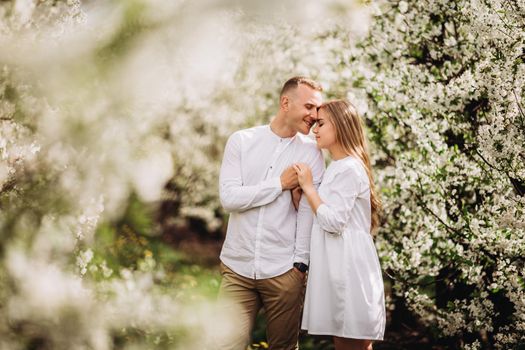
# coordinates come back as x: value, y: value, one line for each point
x: 296, y: 178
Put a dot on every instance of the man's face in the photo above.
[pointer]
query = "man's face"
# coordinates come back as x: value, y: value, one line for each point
x: 302, y: 108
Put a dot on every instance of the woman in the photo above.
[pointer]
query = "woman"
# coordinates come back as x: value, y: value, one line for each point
x: 344, y: 296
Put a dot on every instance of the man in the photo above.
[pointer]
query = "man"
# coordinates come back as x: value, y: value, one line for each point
x: 265, y: 255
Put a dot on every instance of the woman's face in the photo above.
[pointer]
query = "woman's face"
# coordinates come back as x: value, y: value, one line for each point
x: 324, y: 130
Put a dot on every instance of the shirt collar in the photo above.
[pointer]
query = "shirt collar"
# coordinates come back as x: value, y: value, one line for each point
x: 279, y: 138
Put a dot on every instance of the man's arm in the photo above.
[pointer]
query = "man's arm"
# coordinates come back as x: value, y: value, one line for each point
x: 303, y: 232
x: 305, y: 216
x: 234, y: 195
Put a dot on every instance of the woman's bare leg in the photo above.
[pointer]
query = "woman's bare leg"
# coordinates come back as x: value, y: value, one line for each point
x: 352, y: 344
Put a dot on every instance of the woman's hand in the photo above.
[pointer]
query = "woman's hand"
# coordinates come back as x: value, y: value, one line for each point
x: 304, y: 175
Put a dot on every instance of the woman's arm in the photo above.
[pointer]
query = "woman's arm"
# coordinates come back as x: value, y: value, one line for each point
x: 332, y: 215
x: 304, y: 175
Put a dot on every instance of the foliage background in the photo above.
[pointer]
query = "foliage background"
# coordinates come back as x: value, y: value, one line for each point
x: 113, y: 117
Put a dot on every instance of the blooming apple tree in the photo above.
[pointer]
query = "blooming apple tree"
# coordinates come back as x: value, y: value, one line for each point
x: 444, y: 87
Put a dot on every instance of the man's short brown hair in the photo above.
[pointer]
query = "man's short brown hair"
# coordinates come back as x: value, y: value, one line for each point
x: 294, y: 82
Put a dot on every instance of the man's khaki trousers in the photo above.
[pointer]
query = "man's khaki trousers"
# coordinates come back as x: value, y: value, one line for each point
x: 282, y: 298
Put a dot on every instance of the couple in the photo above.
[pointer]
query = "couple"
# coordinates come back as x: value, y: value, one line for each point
x: 288, y: 215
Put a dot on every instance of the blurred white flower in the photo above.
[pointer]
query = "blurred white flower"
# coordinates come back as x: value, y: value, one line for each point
x: 149, y: 175
x: 403, y: 6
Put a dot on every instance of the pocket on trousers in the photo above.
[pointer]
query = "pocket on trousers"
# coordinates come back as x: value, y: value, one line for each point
x: 223, y: 268
x: 297, y: 274
x: 297, y: 280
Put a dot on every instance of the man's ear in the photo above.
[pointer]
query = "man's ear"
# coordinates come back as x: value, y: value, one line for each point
x: 285, y: 103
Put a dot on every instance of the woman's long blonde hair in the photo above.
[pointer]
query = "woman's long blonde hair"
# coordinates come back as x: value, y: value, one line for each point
x: 350, y: 135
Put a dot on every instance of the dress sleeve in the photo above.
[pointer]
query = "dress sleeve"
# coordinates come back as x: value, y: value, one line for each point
x: 341, y: 193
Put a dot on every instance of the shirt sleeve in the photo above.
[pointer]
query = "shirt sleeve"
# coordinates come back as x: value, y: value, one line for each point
x: 342, y: 191
x: 234, y: 196
x: 305, y: 215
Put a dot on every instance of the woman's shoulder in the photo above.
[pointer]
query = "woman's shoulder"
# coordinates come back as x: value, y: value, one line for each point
x: 349, y: 165
x: 347, y: 171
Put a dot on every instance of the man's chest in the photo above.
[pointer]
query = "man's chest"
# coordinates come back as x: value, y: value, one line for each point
x: 263, y: 161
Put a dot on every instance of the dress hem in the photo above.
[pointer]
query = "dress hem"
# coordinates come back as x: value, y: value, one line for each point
x: 342, y: 335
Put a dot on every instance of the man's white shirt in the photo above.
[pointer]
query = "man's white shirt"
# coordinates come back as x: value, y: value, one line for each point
x: 265, y: 234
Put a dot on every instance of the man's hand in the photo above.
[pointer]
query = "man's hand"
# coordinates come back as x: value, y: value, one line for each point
x: 296, y: 196
x: 303, y: 274
x: 289, y: 179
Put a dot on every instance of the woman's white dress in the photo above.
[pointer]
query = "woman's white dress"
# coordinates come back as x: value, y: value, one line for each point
x: 344, y: 294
